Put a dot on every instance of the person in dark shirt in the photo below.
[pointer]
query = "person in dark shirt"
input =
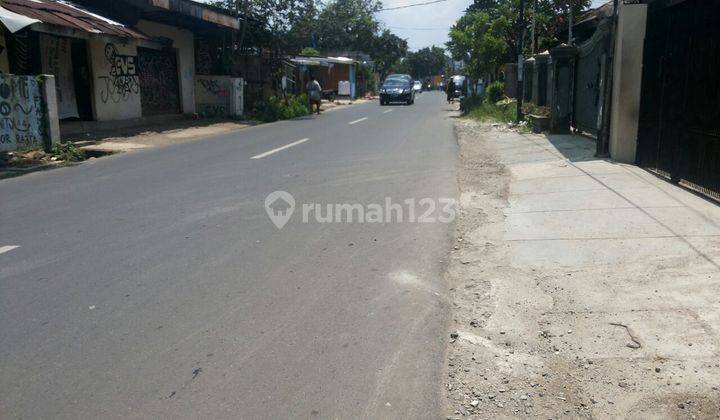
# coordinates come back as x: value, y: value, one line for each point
x: 450, y: 90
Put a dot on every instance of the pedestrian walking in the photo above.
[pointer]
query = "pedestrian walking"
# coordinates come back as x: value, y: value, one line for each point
x: 313, y: 89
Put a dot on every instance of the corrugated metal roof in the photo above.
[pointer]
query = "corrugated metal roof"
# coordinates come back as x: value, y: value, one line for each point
x: 63, y: 13
x: 321, y: 61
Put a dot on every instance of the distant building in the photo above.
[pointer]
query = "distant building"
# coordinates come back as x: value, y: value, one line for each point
x: 335, y: 74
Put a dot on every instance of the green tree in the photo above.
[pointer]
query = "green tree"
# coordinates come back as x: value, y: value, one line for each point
x: 386, y: 50
x: 480, y: 42
x: 287, y: 26
x: 283, y: 25
x: 310, y: 52
x: 488, y: 34
x: 348, y: 25
x: 424, y: 62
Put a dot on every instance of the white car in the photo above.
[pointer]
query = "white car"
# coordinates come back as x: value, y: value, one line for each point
x: 417, y: 86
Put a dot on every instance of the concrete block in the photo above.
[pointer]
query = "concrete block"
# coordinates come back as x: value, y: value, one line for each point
x: 52, y: 120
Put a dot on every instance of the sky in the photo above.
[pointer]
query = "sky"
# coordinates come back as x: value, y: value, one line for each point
x: 422, y: 26
x: 425, y: 26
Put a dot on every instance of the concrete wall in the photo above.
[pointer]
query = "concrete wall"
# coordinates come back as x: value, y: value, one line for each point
x: 627, y: 81
x: 116, y: 85
x: 184, y: 44
x: 219, y: 96
x: 28, y: 109
x: 116, y: 81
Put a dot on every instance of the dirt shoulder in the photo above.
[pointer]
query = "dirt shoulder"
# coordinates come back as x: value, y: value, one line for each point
x: 574, y: 292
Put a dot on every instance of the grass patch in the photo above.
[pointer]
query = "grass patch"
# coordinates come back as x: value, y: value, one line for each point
x: 68, y: 152
x: 484, y: 111
x: 276, y: 108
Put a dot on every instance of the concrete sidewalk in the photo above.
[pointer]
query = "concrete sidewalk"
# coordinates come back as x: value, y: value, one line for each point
x: 603, y: 278
x: 158, y: 135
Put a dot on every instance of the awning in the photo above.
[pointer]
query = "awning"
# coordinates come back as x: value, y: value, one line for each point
x: 13, y: 21
x: 322, y: 61
x: 22, y: 13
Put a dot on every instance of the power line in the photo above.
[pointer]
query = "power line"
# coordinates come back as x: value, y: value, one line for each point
x: 411, y: 5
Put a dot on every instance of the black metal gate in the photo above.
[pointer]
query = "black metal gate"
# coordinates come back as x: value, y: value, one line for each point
x: 589, y: 80
x: 159, y: 89
x: 679, y: 131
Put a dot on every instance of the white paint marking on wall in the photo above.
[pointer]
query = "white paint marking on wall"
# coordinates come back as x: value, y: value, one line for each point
x: 270, y: 152
x: 7, y: 248
x: 358, y: 120
x: 389, y: 110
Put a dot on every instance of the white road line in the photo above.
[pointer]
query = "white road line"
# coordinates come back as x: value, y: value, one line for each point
x: 270, y: 152
x: 6, y: 248
x: 389, y: 110
x: 358, y: 120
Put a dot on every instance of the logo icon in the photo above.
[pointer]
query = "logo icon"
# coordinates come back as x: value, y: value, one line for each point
x: 279, y: 206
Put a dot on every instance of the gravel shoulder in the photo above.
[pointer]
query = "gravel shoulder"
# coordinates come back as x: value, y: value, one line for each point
x: 567, y: 301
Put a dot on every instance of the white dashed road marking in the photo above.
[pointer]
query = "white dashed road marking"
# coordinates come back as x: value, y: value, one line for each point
x: 358, y: 120
x: 389, y: 110
x: 6, y: 248
x: 270, y: 152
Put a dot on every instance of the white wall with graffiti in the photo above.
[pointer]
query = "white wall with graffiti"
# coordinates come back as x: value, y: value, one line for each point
x: 219, y: 96
x: 22, y: 113
x: 116, y: 81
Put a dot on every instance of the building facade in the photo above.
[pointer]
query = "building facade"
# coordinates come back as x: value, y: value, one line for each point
x: 118, y: 60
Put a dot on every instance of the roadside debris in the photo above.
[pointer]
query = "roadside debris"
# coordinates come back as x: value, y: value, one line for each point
x: 635, y: 342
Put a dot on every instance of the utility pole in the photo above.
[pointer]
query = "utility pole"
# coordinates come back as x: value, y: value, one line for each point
x: 533, y: 39
x: 521, y: 62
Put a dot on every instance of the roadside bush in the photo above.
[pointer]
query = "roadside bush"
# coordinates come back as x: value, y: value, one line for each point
x: 274, y: 108
x: 470, y: 102
x: 310, y: 52
x: 68, y: 152
x: 495, y: 91
x: 531, y: 108
x: 491, y: 112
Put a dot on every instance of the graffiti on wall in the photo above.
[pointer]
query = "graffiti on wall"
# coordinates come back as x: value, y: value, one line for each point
x: 215, y: 87
x: 213, y: 95
x: 122, y: 80
x: 21, y: 112
x: 159, y: 81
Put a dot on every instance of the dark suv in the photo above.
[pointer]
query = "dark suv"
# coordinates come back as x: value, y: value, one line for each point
x: 397, y: 90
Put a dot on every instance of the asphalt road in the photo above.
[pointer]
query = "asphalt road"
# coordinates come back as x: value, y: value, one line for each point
x: 154, y: 285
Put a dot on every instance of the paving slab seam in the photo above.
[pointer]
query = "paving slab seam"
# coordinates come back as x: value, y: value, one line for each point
x: 642, y: 210
x: 658, y: 221
x: 657, y: 187
x: 612, y: 238
x: 550, y: 177
x: 586, y: 210
x: 556, y: 192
